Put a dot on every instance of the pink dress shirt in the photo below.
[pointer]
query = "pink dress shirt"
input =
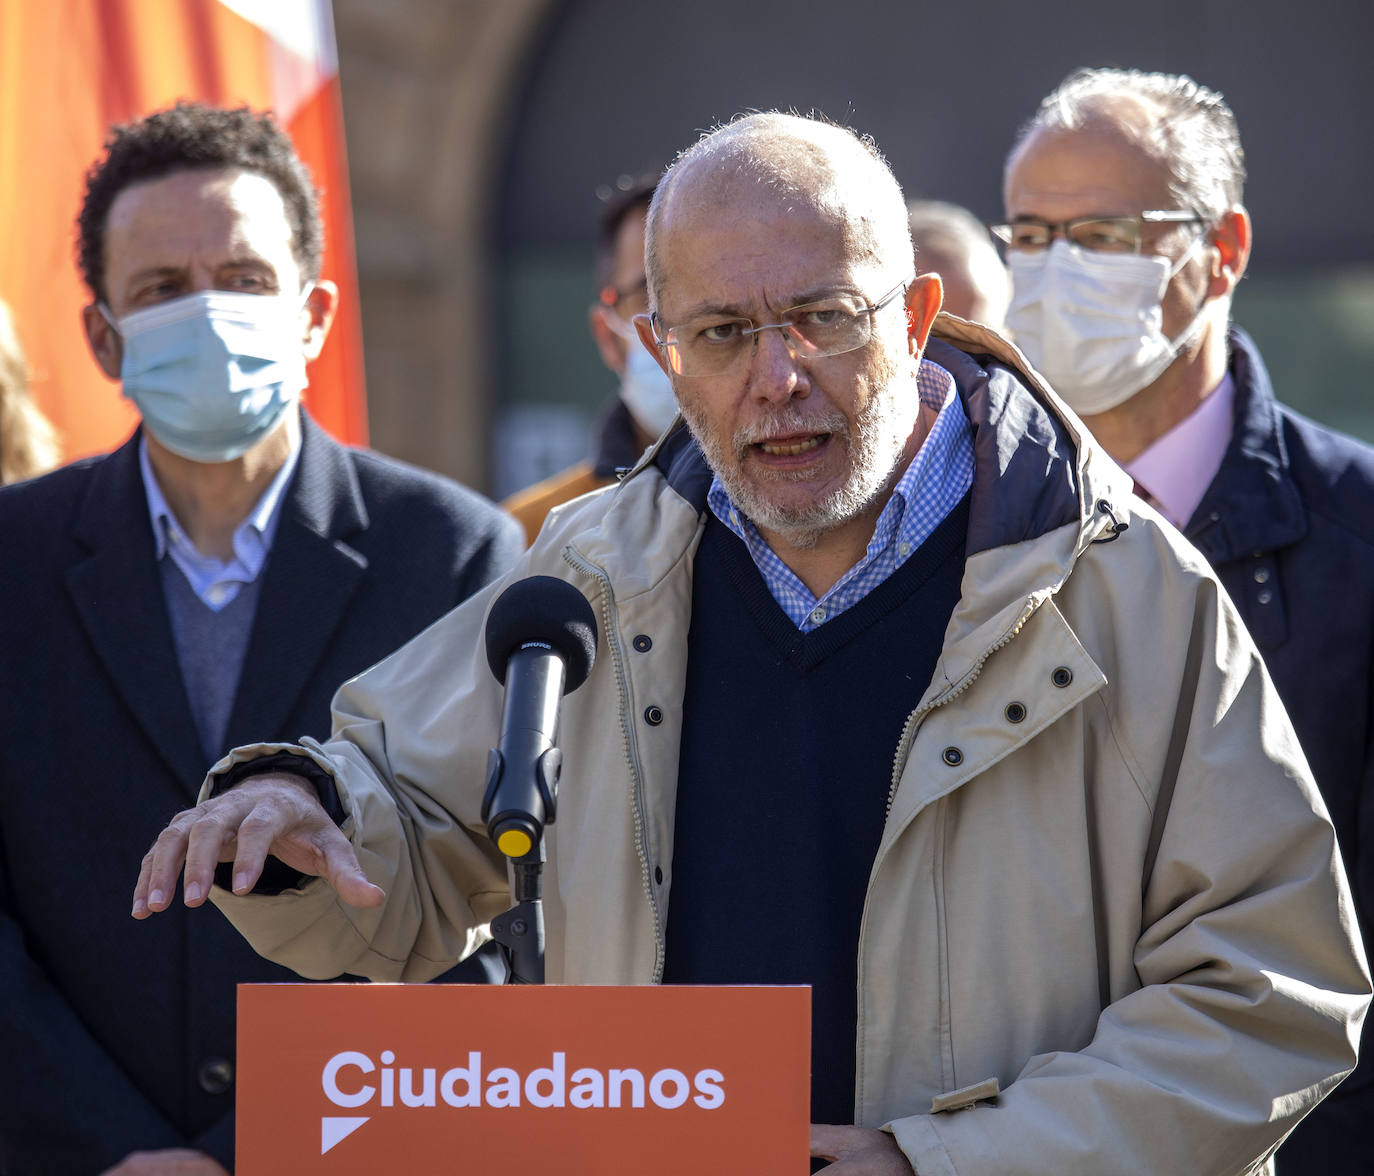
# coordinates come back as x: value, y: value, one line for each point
x: 1175, y: 470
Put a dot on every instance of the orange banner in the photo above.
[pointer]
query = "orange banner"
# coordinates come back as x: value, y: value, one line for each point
x: 71, y: 68
x: 366, y: 1079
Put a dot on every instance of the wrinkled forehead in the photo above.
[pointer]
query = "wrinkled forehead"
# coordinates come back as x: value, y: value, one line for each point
x: 748, y: 241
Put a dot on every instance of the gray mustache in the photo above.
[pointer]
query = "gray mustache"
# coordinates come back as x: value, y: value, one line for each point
x: 790, y: 421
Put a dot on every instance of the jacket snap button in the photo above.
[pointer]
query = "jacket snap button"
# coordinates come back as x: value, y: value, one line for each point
x: 216, y: 1075
x: 653, y: 716
x: 953, y: 756
x: 1015, y: 712
x: 1261, y: 575
x: 1062, y: 676
x: 642, y: 644
x: 1265, y: 596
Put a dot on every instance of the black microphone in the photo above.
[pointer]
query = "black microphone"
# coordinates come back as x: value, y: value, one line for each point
x: 541, y: 642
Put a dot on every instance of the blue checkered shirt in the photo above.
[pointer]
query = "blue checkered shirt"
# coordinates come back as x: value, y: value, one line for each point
x: 938, y: 478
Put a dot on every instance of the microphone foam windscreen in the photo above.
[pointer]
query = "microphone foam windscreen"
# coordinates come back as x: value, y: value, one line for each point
x: 543, y: 608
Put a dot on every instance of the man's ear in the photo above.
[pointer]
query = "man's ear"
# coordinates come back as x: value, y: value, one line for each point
x: 1231, y: 240
x: 923, y: 299
x: 104, y: 341
x: 609, y: 342
x: 644, y: 325
x: 320, y: 307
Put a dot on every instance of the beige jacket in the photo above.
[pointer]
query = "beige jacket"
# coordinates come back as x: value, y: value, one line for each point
x: 531, y: 506
x: 1121, y: 899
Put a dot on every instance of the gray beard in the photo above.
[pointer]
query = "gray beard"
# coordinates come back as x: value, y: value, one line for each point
x: 875, y: 448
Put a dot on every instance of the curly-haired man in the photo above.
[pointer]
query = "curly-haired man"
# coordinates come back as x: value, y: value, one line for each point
x: 229, y: 540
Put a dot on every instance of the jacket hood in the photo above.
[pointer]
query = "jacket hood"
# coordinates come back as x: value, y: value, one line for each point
x: 1043, y: 491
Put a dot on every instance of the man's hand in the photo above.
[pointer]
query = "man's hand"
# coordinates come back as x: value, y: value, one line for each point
x: 858, y: 1151
x: 275, y: 813
x: 173, y: 1161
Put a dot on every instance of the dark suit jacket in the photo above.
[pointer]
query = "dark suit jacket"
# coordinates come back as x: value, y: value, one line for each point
x: 118, y: 1035
x: 1288, y: 527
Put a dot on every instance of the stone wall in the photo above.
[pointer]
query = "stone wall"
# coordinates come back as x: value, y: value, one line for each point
x: 427, y: 92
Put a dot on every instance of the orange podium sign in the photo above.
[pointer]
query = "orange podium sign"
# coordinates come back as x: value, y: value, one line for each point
x: 373, y: 1079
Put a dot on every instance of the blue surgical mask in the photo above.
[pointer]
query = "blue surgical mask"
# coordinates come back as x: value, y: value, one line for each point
x: 212, y: 373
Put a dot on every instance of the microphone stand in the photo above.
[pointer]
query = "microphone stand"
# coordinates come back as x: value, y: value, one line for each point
x: 520, y: 930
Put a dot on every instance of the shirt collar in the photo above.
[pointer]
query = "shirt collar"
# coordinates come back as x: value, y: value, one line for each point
x: 1177, y: 468
x: 935, y: 479
x: 252, y: 538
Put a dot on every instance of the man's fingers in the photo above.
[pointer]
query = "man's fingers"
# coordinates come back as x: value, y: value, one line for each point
x: 347, y: 877
x: 157, y: 878
x: 273, y: 815
x: 306, y: 839
x: 191, y: 842
x: 242, y: 824
x: 858, y: 1151
x: 206, y: 841
x: 140, y: 910
x: 170, y: 1162
x: 826, y: 1141
x: 260, y: 827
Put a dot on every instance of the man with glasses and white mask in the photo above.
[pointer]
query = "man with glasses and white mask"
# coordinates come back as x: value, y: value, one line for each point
x: 896, y: 696
x: 1126, y: 236
x: 216, y: 576
x: 644, y: 405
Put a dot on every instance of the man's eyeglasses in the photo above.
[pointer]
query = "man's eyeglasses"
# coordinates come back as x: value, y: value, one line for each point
x: 1101, y: 234
x: 712, y: 345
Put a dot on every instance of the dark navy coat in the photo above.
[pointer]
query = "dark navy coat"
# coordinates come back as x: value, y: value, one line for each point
x: 118, y: 1035
x: 1288, y: 524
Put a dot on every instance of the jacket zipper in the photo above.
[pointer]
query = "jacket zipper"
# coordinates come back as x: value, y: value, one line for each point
x: 908, y: 736
x: 637, y: 792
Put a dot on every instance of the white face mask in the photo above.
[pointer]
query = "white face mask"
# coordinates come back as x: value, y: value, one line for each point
x: 644, y: 386
x: 1092, y: 324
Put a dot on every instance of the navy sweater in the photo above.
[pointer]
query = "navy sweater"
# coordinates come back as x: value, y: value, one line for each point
x: 787, y: 755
